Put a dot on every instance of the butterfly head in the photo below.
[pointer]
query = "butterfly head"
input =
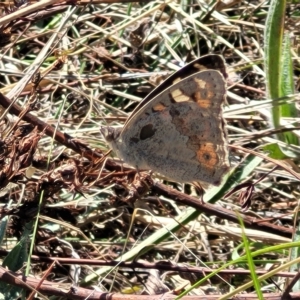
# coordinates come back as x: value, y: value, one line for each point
x: 110, y: 134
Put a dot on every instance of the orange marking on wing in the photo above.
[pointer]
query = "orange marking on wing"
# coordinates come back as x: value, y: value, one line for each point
x: 207, y: 156
x: 204, y: 103
x: 159, y: 107
x: 210, y: 94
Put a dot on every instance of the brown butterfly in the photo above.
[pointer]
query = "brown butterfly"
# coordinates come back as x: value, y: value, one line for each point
x: 178, y: 130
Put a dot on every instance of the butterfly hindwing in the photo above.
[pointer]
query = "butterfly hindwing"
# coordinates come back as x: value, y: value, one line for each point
x: 180, y: 132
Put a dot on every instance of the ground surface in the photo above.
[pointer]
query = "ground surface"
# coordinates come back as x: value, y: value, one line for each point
x: 70, y: 68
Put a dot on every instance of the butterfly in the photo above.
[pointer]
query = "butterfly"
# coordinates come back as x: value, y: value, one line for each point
x: 178, y: 130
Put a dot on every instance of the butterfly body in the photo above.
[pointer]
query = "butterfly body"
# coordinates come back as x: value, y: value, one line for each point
x: 179, y: 132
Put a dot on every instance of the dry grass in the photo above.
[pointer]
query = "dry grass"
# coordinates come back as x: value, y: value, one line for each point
x: 69, y: 69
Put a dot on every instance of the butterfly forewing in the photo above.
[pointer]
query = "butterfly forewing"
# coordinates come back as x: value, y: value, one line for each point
x: 207, y: 62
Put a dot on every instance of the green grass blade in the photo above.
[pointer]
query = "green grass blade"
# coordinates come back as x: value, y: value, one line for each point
x: 3, y: 225
x: 295, y: 253
x: 273, y: 53
x: 14, y: 261
x: 250, y: 261
x: 263, y: 251
x: 277, y: 152
x: 279, y: 71
x: 288, y: 110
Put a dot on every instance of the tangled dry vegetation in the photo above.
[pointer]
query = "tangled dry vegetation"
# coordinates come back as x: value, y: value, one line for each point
x: 81, y: 224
